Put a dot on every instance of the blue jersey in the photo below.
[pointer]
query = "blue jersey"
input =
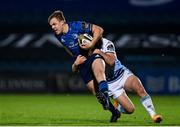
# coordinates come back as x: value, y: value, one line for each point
x: 70, y: 39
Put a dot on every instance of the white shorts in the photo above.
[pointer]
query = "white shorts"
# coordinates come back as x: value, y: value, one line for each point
x: 116, y: 87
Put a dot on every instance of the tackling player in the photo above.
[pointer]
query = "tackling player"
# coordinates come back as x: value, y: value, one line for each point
x: 93, y: 68
x: 119, y: 79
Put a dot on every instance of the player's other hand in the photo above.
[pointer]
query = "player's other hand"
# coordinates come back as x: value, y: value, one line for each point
x: 79, y: 60
x: 97, y: 51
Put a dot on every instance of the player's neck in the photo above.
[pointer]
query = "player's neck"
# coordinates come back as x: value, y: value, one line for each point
x: 65, y: 28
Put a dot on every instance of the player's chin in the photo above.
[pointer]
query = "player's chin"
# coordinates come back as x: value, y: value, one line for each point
x: 84, y: 47
x: 57, y: 32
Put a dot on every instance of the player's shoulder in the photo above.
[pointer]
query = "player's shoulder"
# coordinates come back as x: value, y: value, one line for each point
x: 108, y: 45
x: 107, y: 42
x: 74, y: 23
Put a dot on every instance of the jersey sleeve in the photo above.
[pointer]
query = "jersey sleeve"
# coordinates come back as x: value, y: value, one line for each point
x: 108, y: 47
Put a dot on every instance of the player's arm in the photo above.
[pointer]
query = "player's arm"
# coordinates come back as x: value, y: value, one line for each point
x: 79, y: 60
x: 109, y: 57
x: 97, y: 32
x: 75, y: 67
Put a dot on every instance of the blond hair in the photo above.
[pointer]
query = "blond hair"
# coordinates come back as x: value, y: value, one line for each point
x: 58, y: 15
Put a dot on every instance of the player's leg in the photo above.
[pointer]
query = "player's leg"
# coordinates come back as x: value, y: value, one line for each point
x: 93, y: 68
x: 122, y: 101
x: 124, y: 104
x: 135, y: 85
x: 92, y: 86
x: 87, y: 74
x: 98, y: 68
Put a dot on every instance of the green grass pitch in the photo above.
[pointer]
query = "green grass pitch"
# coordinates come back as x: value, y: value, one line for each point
x: 79, y: 110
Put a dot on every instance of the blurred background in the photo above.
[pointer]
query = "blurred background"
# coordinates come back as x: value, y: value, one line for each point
x: 146, y: 34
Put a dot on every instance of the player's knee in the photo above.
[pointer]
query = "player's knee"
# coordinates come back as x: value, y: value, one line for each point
x: 99, y: 72
x: 130, y: 110
x: 139, y: 88
x: 141, y: 92
x: 92, y: 91
x: 90, y: 86
x: 99, y: 75
x: 98, y: 67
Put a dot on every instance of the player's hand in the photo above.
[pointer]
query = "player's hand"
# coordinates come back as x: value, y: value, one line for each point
x: 97, y: 51
x: 79, y: 60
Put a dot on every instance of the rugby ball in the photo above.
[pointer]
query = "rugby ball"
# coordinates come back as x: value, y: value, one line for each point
x: 84, y: 38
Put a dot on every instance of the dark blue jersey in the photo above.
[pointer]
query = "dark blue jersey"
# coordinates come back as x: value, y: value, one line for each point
x: 70, y: 39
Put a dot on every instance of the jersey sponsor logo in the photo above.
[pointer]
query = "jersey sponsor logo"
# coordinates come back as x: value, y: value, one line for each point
x: 97, y: 56
x: 110, y: 47
x: 72, y: 44
x: 75, y: 36
x: 85, y: 25
x: 62, y: 40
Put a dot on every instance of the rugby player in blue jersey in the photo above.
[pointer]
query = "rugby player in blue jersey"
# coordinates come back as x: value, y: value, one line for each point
x: 93, y: 68
x: 119, y: 79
